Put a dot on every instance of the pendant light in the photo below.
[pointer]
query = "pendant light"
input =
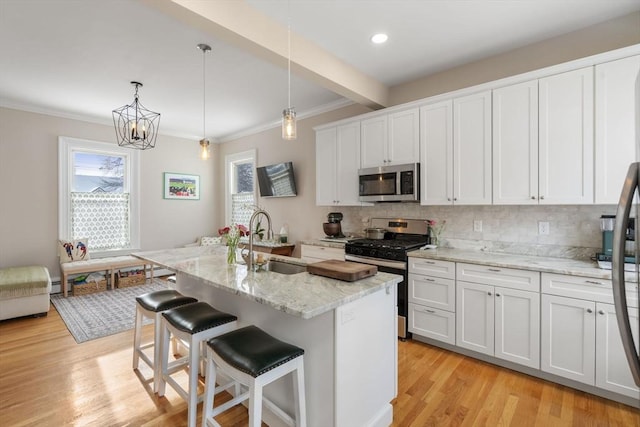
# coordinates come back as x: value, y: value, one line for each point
x: 204, y: 142
x: 136, y: 127
x: 289, y: 131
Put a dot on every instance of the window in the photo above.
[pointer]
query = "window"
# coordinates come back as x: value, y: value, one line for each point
x: 98, y: 197
x: 240, y: 184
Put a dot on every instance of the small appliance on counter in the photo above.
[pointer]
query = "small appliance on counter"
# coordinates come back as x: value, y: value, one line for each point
x: 607, y: 224
x: 332, y: 228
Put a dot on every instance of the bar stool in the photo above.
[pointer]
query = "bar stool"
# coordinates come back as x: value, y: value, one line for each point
x: 195, y: 324
x: 151, y: 305
x: 253, y: 358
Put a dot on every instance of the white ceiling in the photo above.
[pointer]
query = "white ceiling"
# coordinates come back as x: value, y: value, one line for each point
x: 76, y: 58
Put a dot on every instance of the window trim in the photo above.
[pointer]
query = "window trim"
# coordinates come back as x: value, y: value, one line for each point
x: 229, y: 160
x: 66, y: 147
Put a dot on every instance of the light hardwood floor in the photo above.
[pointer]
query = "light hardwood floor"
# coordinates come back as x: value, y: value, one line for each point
x: 46, y: 379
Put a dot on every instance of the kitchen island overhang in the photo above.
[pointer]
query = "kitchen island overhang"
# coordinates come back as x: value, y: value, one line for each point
x: 348, y: 330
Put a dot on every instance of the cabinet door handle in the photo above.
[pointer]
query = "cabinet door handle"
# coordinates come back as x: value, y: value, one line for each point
x: 589, y: 311
x: 541, y: 197
x: 533, y: 197
x: 497, y: 270
x: 593, y: 282
x: 448, y: 199
x: 455, y: 199
x: 489, y: 293
x: 497, y: 295
x: 601, y: 312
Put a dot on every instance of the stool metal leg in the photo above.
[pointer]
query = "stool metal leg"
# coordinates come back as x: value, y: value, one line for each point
x: 299, y: 395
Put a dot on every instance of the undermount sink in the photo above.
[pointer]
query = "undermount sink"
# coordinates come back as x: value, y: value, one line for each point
x: 285, y: 267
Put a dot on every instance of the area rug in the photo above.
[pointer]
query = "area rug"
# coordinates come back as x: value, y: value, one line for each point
x: 104, y: 313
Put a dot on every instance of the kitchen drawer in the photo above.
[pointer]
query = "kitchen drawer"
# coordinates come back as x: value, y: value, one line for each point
x: 432, y: 323
x: 499, y: 276
x: 599, y: 290
x: 432, y: 267
x: 313, y: 253
x: 434, y: 292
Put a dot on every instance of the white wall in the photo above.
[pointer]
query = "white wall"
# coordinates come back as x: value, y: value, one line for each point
x: 29, y: 177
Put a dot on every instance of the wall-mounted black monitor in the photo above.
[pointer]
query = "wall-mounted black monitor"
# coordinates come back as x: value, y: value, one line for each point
x: 276, y: 180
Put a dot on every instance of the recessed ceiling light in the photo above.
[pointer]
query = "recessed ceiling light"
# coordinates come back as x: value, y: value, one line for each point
x: 379, y: 38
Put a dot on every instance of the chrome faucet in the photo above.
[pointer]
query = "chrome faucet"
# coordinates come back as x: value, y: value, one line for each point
x: 269, y: 234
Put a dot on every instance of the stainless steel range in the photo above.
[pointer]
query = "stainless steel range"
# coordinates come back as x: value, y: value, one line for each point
x: 390, y: 254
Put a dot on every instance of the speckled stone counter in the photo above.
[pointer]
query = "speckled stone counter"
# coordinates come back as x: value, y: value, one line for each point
x: 525, y: 262
x: 303, y: 294
x: 323, y: 243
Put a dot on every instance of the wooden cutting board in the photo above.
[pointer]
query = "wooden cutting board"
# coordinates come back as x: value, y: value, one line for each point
x: 342, y: 270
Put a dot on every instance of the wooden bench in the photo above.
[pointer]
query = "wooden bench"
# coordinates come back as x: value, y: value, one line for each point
x: 110, y: 265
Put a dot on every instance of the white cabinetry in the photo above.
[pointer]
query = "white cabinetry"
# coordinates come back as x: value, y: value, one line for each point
x: 615, y: 103
x: 498, y: 312
x: 391, y: 139
x: 337, y: 163
x: 566, y: 138
x: 456, y: 151
x: 472, y: 149
x: 580, y: 338
x: 432, y: 299
x: 515, y: 144
x: 312, y: 253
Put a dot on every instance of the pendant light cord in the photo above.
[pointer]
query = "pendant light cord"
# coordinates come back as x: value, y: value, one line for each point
x: 289, y: 52
x: 204, y: 94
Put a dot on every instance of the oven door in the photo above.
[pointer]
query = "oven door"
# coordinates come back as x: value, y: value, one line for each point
x: 393, y: 267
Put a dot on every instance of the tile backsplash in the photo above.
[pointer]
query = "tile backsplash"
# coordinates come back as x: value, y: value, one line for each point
x: 574, y: 230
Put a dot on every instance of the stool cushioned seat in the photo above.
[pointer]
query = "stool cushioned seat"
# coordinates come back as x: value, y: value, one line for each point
x: 163, y: 300
x: 197, y: 317
x: 253, y: 351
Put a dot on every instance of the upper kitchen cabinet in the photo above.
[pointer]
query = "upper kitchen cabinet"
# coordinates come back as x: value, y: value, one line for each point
x: 436, y: 154
x: 337, y: 163
x: 472, y: 149
x: 456, y: 151
x: 515, y: 144
x: 391, y: 139
x: 566, y: 138
x: 615, y: 103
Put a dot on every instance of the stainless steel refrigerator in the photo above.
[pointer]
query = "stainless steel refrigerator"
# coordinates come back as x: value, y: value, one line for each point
x: 627, y: 207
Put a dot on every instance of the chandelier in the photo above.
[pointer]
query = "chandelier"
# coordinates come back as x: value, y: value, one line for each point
x: 136, y: 127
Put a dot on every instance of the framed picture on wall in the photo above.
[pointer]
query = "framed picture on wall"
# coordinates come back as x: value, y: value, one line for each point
x: 180, y: 186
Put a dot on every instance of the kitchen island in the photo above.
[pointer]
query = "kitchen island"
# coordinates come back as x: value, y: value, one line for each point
x: 347, y: 329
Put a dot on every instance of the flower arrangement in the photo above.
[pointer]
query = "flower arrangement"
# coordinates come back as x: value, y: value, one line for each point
x: 436, y: 229
x: 232, y: 235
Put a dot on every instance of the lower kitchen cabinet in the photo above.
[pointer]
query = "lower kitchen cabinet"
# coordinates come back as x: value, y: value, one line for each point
x: 432, y: 323
x: 580, y: 341
x: 499, y: 322
x: 432, y: 296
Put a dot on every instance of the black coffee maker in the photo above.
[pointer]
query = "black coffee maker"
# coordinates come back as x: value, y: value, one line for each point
x: 332, y: 227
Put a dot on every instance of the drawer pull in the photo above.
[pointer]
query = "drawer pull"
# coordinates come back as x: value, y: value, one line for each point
x: 430, y: 311
x: 594, y: 282
x: 429, y: 262
x: 429, y: 280
x: 497, y: 270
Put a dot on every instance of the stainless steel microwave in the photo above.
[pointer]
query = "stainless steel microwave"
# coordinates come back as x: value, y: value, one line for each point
x: 398, y: 183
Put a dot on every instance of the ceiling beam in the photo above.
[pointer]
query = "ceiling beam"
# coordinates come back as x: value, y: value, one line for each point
x: 242, y: 26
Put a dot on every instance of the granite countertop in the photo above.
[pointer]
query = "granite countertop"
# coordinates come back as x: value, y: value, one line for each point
x: 303, y: 294
x: 526, y: 262
x: 324, y: 243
